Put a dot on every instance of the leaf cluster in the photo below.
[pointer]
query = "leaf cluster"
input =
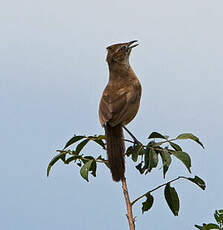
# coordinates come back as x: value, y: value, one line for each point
x: 149, y: 153
x: 218, y: 215
x: 86, y: 163
x: 170, y: 194
x: 147, y: 158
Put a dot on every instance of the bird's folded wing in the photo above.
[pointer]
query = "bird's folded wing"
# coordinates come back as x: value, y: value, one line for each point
x: 113, y: 104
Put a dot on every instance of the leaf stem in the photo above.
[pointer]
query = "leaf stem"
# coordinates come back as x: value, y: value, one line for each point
x: 80, y: 157
x: 140, y: 197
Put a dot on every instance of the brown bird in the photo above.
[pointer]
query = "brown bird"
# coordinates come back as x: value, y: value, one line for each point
x: 119, y: 104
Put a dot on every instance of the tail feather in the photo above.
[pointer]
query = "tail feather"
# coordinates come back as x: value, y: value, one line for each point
x: 115, y: 151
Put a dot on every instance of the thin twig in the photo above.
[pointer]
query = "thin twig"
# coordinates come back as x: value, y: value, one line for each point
x: 80, y: 157
x: 129, y: 141
x: 128, y: 205
x: 140, y: 197
x: 162, y: 142
x: 132, y: 136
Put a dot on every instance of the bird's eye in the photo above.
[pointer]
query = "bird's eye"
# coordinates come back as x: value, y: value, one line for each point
x: 123, y: 48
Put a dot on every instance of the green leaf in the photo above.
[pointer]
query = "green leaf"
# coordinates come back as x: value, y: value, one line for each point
x: 190, y: 136
x: 100, y: 142
x: 198, y: 181
x: 218, y: 215
x: 199, y: 227
x: 172, y: 199
x: 166, y: 159
x: 81, y: 146
x: 143, y: 165
x: 54, y: 160
x: 148, y: 203
x: 136, y: 151
x: 93, y: 168
x: 153, y: 144
x: 175, y: 146
x: 212, y: 226
x: 100, y: 158
x: 85, y: 159
x: 156, y: 135
x: 134, y: 156
x: 184, y: 157
x: 85, y: 169
x: 129, y: 151
x: 98, y: 139
x: 79, y: 164
x: 140, y: 168
x: 73, y: 140
x: 153, y: 160
x: 146, y: 160
x: 101, y: 137
x: 70, y: 159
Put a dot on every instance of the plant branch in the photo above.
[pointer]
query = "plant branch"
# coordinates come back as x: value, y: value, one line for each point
x: 162, y: 142
x: 128, y: 205
x: 135, y: 140
x: 80, y: 156
x: 129, y: 141
x: 132, y: 136
x: 140, y: 197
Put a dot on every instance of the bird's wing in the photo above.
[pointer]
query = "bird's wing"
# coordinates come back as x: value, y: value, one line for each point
x: 118, y: 106
x: 111, y: 105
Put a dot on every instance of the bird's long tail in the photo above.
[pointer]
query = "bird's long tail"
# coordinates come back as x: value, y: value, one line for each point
x: 115, y: 151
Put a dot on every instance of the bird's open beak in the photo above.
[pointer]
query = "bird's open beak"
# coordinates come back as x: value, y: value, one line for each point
x: 130, y: 43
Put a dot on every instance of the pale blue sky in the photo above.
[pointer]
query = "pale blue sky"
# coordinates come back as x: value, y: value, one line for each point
x: 53, y: 72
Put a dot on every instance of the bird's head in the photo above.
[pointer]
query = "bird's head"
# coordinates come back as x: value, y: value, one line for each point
x: 119, y: 53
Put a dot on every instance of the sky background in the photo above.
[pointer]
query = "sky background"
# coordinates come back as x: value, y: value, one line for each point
x: 52, y: 74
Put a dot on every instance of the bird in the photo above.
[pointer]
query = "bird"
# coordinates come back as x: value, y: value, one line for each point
x: 119, y: 104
